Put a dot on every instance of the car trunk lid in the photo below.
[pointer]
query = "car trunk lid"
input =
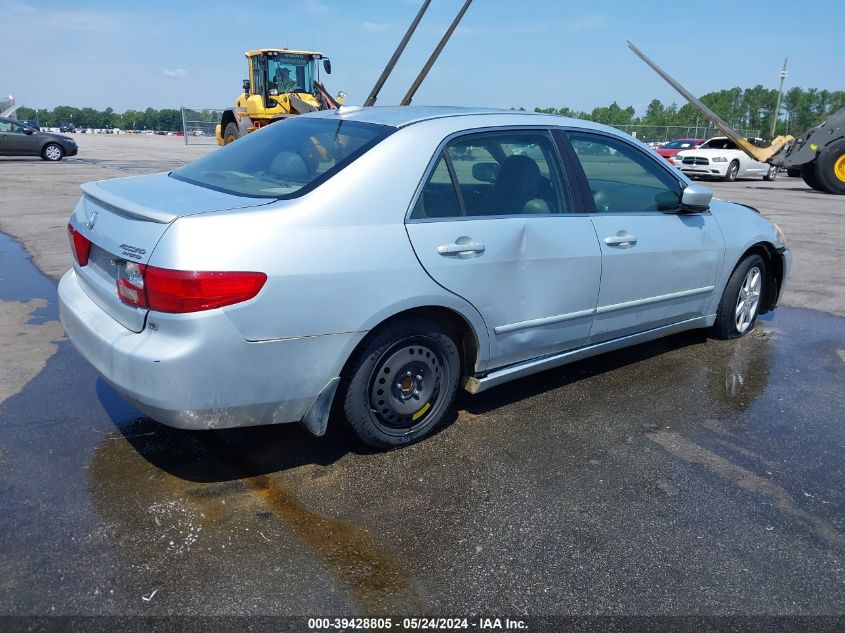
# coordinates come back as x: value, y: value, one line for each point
x: 124, y: 219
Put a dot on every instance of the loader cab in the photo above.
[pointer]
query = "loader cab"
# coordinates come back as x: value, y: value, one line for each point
x: 282, y: 72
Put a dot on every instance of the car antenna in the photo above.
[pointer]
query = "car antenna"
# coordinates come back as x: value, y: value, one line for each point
x: 433, y: 58
x: 371, y: 99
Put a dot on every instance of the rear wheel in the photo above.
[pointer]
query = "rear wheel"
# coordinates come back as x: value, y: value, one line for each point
x: 52, y: 152
x: 771, y: 174
x: 830, y: 168
x: 733, y: 170
x: 230, y: 133
x: 740, y: 302
x: 401, y: 385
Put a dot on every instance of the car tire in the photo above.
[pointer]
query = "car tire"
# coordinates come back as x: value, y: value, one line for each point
x: 830, y: 168
x: 52, y: 152
x: 772, y: 173
x: 808, y: 175
x: 231, y: 133
x: 400, y: 386
x: 793, y: 172
x: 733, y: 170
x: 741, y: 300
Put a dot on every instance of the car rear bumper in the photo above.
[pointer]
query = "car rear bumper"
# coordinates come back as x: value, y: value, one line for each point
x: 196, y: 371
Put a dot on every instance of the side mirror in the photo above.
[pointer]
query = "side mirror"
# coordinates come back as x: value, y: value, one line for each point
x: 696, y: 199
x: 28, y: 131
x: 246, y: 86
x: 485, y: 172
x: 327, y: 65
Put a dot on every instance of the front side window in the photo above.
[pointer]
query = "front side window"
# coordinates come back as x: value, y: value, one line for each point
x: 495, y: 174
x: 285, y: 159
x: 622, y: 178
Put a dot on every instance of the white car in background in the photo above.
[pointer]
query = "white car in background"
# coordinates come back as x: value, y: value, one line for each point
x: 721, y: 158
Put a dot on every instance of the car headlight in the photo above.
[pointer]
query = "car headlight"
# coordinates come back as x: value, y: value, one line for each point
x: 779, y: 233
x: 719, y: 159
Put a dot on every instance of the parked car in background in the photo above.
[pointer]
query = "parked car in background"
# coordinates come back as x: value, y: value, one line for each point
x: 721, y: 158
x: 378, y: 259
x: 17, y: 139
x: 66, y: 127
x: 667, y: 150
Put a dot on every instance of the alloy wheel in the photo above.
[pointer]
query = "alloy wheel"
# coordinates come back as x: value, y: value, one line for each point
x: 748, y: 299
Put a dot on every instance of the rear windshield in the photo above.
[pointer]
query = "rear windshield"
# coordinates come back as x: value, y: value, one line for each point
x: 684, y: 144
x: 285, y: 159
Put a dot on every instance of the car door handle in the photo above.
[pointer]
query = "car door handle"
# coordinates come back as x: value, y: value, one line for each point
x: 622, y: 239
x: 462, y: 249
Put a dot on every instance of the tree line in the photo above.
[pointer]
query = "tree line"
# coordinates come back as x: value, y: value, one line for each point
x: 167, y: 119
x: 749, y: 108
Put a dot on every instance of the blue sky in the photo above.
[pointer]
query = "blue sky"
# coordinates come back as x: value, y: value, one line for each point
x: 506, y: 53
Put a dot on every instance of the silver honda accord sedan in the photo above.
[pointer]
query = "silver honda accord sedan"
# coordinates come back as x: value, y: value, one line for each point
x: 371, y: 261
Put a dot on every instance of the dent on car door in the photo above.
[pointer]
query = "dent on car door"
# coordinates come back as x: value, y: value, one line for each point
x: 494, y: 224
x: 659, y: 265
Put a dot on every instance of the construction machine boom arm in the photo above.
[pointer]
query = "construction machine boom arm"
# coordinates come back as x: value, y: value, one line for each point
x: 762, y: 154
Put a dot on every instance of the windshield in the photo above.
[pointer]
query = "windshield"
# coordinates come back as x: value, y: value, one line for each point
x: 290, y: 72
x: 286, y: 159
x: 719, y: 143
x: 678, y: 145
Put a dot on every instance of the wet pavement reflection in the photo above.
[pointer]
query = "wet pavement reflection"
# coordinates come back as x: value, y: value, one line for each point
x: 683, y: 476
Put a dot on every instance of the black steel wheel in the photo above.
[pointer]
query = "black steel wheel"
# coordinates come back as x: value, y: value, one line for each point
x: 400, y: 387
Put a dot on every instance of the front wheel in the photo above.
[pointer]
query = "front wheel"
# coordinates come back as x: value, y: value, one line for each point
x: 733, y: 170
x: 52, y: 152
x: 740, y: 302
x: 808, y: 175
x: 400, y: 387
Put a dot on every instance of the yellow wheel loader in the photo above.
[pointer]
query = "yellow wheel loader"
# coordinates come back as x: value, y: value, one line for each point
x: 281, y: 83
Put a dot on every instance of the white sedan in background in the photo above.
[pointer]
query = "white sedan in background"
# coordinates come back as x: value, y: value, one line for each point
x: 721, y: 158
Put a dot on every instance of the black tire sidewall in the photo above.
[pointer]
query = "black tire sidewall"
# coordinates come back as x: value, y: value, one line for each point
x: 825, y: 177
x: 226, y: 132
x: 725, y: 325
x: 808, y: 175
x: 355, y: 384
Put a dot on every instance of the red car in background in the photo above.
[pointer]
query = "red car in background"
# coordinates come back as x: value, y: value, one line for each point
x: 667, y: 150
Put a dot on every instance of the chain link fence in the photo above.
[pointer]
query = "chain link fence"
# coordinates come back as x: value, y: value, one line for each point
x: 664, y: 133
x: 198, y: 125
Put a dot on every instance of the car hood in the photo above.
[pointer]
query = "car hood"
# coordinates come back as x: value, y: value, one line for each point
x: 53, y: 136
x: 160, y: 198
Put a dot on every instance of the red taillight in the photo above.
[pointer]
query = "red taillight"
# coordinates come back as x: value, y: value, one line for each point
x: 185, y: 291
x: 80, y: 245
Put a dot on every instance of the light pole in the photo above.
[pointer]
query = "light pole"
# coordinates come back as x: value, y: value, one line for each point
x: 775, y: 114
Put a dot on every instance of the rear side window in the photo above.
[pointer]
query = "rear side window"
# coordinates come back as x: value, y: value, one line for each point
x: 622, y: 178
x: 495, y: 174
x: 286, y: 159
